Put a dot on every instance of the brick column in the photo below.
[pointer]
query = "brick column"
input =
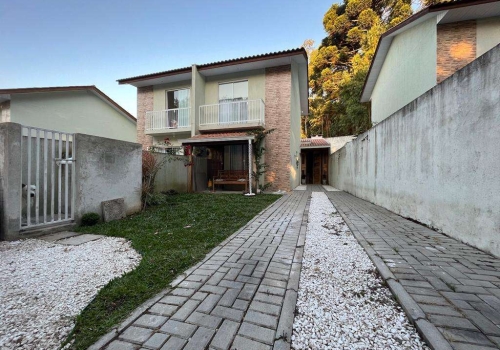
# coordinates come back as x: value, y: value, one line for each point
x: 278, y: 114
x: 456, y: 47
x: 144, y: 104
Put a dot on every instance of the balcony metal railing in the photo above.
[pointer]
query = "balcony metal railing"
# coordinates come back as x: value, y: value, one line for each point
x: 168, y: 119
x: 230, y: 113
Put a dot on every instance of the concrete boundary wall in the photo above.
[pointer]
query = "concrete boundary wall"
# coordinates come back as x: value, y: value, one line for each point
x: 106, y: 169
x: 437, y: 160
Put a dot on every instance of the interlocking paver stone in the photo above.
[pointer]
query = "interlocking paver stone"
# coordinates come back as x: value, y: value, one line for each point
x: 156, y: 341
x: 179, y: 329
x: 207, y: 307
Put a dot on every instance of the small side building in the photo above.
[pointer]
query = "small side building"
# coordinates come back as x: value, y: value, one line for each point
x: 70, y: 109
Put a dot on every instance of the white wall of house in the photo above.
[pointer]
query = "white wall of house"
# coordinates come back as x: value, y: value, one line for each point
x: 436, y: 159
x: 488, y: 34
x: 72, y: 112
x: 408, y: 71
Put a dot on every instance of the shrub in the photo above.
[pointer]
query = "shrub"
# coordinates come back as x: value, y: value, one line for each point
x: 90, y: 219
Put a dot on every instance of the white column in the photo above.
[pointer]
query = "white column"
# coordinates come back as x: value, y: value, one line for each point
x: 250, y: 165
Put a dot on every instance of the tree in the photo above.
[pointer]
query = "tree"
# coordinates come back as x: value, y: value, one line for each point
x: 338, y: 67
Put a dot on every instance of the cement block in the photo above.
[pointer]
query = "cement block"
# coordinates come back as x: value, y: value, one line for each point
x: 79, y: 239
x: 113, y: 209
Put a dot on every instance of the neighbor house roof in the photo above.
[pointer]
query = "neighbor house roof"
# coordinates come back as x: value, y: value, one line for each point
x: 446, y: 12
x: 5, y: 95
x: 219, y: 137
x: 218, y: 64
x: 314, y: 142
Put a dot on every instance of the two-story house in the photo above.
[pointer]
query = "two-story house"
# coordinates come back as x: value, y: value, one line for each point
x: 428, y: 47
x: 212, y: 107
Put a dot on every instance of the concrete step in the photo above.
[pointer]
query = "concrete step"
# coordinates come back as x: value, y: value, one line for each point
x: 33, y: 232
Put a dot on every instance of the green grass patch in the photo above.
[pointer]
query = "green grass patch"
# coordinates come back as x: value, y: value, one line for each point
x: 168, y: 247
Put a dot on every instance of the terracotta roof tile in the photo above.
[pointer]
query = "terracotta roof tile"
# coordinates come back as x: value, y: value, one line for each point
x: 314, y: 142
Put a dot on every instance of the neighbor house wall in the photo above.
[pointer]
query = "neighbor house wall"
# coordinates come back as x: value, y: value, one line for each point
x: 106, y: 169
x: 456, y: 47
x: 338, y: 142
x: 5, y: 112
x: 411, y: 58
x: 295, y: 115
x: 73, y: 112
x: 436, y: 160
x: 488, y: 34
x: 278, y: 110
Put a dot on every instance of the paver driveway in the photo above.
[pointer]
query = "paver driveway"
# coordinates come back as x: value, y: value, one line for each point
x: 242, y: 296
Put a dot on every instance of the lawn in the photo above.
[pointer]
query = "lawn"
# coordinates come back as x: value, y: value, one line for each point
x: 171, y: 237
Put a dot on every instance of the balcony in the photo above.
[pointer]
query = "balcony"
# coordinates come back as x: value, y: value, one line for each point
x: 168, y: 121
x: 232, y: 115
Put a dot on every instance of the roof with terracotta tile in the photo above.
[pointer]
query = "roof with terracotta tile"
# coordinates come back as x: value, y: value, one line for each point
x: 315, y: 142
x: 245, y: 59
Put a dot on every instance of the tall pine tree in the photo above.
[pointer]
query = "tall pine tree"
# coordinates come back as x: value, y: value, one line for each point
x: 338, y: 67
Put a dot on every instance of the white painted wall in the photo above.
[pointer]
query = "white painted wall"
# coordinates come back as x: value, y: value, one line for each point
x: 73, y: 112
x: 5, y: 112
x: 488, y: 34
x: 408, y: 71
x: 436, y: 160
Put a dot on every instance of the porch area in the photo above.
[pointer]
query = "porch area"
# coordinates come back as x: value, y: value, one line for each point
x: 221, y: 162
x: 314, y: 153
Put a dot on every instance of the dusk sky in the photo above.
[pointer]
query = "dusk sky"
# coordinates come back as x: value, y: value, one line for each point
x: 61, y: 43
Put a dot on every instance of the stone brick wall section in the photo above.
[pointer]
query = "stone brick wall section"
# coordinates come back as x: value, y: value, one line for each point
x: 278, y: 114
x: 456, y: 47
x: 144, y: 104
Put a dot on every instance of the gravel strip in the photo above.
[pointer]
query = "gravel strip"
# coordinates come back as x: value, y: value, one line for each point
x: 44, y: 286
x: 342, y: 302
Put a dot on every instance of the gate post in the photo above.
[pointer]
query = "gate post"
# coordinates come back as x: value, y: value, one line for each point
x: 10, y: 180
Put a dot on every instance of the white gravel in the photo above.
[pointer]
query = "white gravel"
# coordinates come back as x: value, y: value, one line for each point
x: 342, y: 303
x: 43, y: 286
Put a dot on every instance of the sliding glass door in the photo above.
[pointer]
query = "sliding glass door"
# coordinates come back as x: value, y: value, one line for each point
x: 233, y: 106
x: 177, y: 105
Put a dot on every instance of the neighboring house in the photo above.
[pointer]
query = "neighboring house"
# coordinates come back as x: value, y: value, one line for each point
x: 425, y: 49
x: 213, y: 106
x: 70, y: 109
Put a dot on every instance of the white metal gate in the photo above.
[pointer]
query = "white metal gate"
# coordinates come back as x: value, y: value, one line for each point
x: 48, y: 177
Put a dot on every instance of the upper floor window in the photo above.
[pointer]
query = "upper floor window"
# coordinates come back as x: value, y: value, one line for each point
x: 177, y: 99
x: 235, y: 91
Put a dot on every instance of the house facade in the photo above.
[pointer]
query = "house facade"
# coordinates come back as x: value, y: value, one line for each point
x: 70, y: 109
x: 213, y: 107
x: 427, y: 48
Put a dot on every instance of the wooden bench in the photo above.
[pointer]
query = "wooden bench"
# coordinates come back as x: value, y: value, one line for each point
x: 231, y: 177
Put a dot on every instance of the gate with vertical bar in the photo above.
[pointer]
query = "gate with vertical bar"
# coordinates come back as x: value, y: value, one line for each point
x: 48, y: 177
